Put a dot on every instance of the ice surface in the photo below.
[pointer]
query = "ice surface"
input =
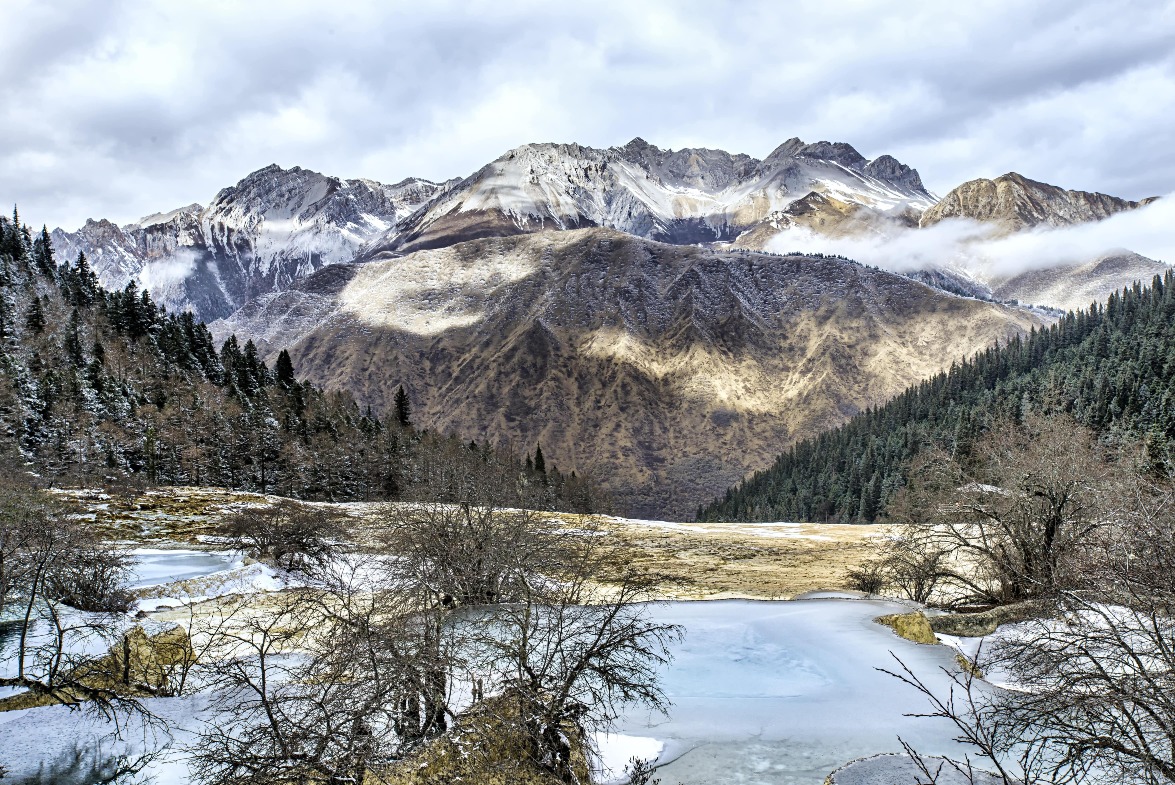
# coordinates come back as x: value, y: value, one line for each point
x: 763, y: 692
x: 891, y: 769
x: 153, y: 566
x: 785, y: 692
x: 617, y: 751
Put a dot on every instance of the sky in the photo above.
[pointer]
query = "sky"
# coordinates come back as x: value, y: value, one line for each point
x: 122, y: 109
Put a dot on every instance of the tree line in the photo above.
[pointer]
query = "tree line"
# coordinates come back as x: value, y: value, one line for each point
x: 108, y: 386
x: 1111, y: 367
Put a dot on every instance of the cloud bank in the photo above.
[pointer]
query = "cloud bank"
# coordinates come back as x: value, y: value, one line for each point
x: 982, y: 250
x: 123, y: 108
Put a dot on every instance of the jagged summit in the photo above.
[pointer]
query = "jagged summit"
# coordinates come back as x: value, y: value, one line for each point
x: 277, y: 225
x: 157, y: 218
x: 689, y: 195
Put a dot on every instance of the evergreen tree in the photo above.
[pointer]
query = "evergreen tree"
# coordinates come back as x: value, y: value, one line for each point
x: 35, y: 320
x: 285, y: 370
x: 73, y: 339
x: 403, y: 408
x: 43, y: 254
x: 540, y: 464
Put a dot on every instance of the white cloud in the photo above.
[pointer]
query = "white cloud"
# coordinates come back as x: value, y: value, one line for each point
x: 160, y: 275
x: 981, y: 248
x: 125, y: 108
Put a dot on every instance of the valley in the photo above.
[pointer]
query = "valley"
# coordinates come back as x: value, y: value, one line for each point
x: 635, y: 311
x: 777, y: 654
x: 460, y: 431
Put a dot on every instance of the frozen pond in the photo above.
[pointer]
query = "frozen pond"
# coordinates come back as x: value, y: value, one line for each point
x: 784, y: 692
x: 763, y: 693
x: 154, y: 566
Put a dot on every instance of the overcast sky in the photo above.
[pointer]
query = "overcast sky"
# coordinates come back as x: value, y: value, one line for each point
x: 120, y: 109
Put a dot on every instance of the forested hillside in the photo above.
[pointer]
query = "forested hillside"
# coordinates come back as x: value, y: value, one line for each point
x: 99, y: 386
x: 1112, y: 367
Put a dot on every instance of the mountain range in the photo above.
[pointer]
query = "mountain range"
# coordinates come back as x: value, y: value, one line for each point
x: 630, y: 295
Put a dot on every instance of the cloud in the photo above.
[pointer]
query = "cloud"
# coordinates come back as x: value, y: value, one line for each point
x: 125, y: 108
x: 985, y: 252
x: 168, y: 273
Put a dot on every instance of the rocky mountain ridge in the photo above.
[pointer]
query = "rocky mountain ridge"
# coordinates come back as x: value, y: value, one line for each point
x: 686, y: 196
x: 276, y: 225
x: 1015, y: 202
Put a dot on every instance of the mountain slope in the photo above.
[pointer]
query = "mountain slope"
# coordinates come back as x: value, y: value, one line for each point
x: 1111, y: 367
x: 666, y: 371
x: 1013, y: 203
x: 270, y: 229
x: 99, y: 386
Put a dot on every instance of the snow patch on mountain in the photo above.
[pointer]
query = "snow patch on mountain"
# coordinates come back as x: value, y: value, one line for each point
x: 278, y: 226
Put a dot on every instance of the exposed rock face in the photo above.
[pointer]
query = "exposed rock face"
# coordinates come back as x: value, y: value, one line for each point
x: 668, y: 372
x: 684, y: 196
x: 1015, y: 202
x: 270, y: 229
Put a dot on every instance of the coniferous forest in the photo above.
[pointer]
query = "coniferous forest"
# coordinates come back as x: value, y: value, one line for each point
x: 1111, y: 367
x: 108, y: 387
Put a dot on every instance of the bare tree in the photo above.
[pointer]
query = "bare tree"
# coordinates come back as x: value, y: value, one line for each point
x: 568, y: 651
x: 322, y: 685
x: 474, y: 606
x: 50, y: 560
x: 51, y: 567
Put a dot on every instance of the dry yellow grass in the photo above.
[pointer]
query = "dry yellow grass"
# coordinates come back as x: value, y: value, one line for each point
x: 756, y: 561
x: 685, y: 560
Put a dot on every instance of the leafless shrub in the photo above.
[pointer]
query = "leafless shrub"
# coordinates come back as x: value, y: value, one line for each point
x: 1014, y: 521
x: 871, y: 577
x: 322, y: 686
x: 465, y: 554
x: 292, y: 536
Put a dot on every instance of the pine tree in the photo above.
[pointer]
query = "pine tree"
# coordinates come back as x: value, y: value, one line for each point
x: 285, y: 370
x: 540, y: 464
x: 403, y: 408
x: 73, y: 339
x: 43, y: 254
x: 35, y: 320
